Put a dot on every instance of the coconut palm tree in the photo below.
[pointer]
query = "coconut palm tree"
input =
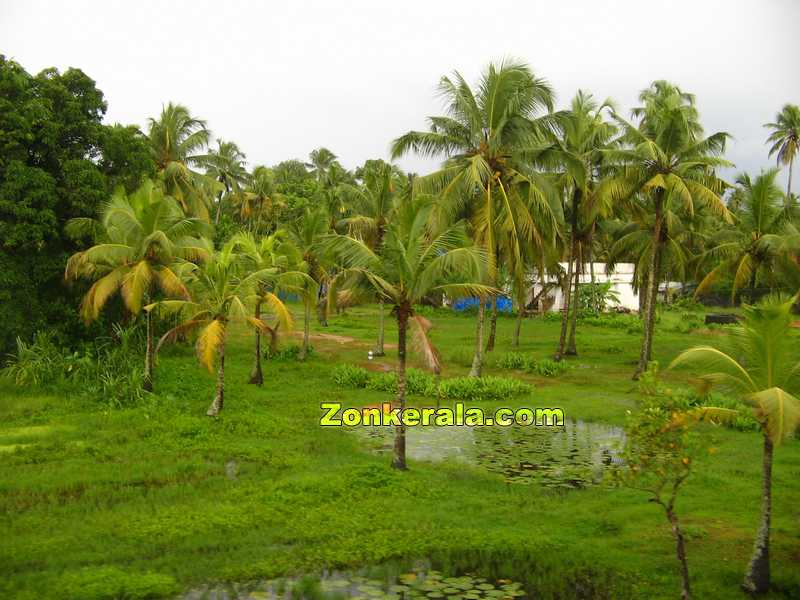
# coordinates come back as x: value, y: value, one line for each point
x: 226, y: 164
x: 223, y: 286
x: 278, y: 263
x: 762, y: 367
x: 261, y: 203
x: 307, y: 234
x: 139, y: 237
x: 372, y: 204
x: 321, y: 161
x: 484, y: 137
x: 576, y: 154
x: 411, y: 263
x: 753, y: 245
x: 667, y: 161
x: 785, y: 139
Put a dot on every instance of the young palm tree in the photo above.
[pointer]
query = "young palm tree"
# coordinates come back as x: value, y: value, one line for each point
x: 577, y: 155
x: 276, y: 261
x: 667, y: 161
x: 321, y: 160
x: 753, y: 245
x: 785, y: 139
x: 139, y: 237
x: 307, y: 234
x: 372, y: 204
x: 223, y: 286
x: 177, y: 140
x: 763, y: 368
x: 225, y: 164
x: 411, y: 263
x: 484, y: 137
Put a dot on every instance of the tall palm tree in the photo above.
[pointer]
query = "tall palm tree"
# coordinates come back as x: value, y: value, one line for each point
x: 139, y: 237
x: 308, y: 234
x: 667, y: 160
x: 411, y: 263
x: 277, y: 262
x: 752, y: 246
x: 372, y: 204
x: 177, y: 141
x: 222, y: 286
x: 576, y: 153
x: 226, y: 164
x: 785, y: 139
x: 763, y: 369
x: 261, y: 203
x: 321, y: 161
x: 484, y: 137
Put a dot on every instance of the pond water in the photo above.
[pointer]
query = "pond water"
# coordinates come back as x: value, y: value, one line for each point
x: 416, y: 584
x: 574, y: 455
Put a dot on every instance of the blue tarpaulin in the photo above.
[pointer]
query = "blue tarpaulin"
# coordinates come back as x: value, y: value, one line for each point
x: 504, y: 304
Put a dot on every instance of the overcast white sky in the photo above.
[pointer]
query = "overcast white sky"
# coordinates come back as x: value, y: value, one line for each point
x: 283, y: 78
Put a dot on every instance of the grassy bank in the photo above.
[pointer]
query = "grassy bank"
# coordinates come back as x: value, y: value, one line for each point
x: 153, y: 499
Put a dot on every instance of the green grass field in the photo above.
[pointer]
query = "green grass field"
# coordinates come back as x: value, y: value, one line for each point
x: 149, y: 501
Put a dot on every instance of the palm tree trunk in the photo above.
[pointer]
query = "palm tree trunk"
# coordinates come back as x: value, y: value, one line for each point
x: 477, y: 359
x: 573, y: 320
x: 756, y: 580
x: 492, y: 326
x: 680, y: 551
x: 652, y: 293
x: 567, y: 293
x: 219, y: 397
x: 789, y: 184
x: 256, y: 376
x: 399, y: 459
x: 518, y: 326
x: 147, y: 383
x: 322, y: 306
x: 379, y: 351
x: 306, y: 329
x: 753, y: 285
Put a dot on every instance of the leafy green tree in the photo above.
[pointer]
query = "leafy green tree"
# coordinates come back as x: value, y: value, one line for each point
x: 412, y: 262
x: 261, y: 204
x: 57, y: 161
x: 785, y: 139
x: 762, y: 367
x: 222, y: 287
x: 485, y: 136
x: 753, y: 245
x: 321, y: 161
x: 177, y: 143
x: 139, y: 237
x: 667, y: 160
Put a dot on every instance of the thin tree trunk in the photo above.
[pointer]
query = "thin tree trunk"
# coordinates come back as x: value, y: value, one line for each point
x: 573, y: 320
x: 757, y: 578
x: 518, y: 327
x: 379, y: 351
x: 680, y: 551
x: 399, y: 459
x: 492, y: 326
x: 477, y: 359
x: 753, y: 285
x: 219, y: 397
x: 306, y: 329
x: 322, y: 306
x: 147, y: 383
x: 562, y: 341
x: 652, y: 291
x: 256, y: 376
x: 789, y: 184
x: 644, y: 286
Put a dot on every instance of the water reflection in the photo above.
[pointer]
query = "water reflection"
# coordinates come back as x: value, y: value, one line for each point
x: 574, y: 455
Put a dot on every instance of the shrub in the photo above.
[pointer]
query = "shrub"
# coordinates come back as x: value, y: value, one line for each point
x: 350, y: 376
x: 548, y: 368
x: 287, y: 353
x: 514, y: 360
x: 481, y: 388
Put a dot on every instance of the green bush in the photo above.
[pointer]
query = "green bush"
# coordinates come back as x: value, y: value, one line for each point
x: 350, y: 376
x: 548, y: 368
x: 287, y: 353
x: 544, y: 367
x: 481, y: 388
x: 107, y: 583
x: 514, y: 360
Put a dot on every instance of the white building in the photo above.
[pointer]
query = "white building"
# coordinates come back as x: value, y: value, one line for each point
x: 621, y: 279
